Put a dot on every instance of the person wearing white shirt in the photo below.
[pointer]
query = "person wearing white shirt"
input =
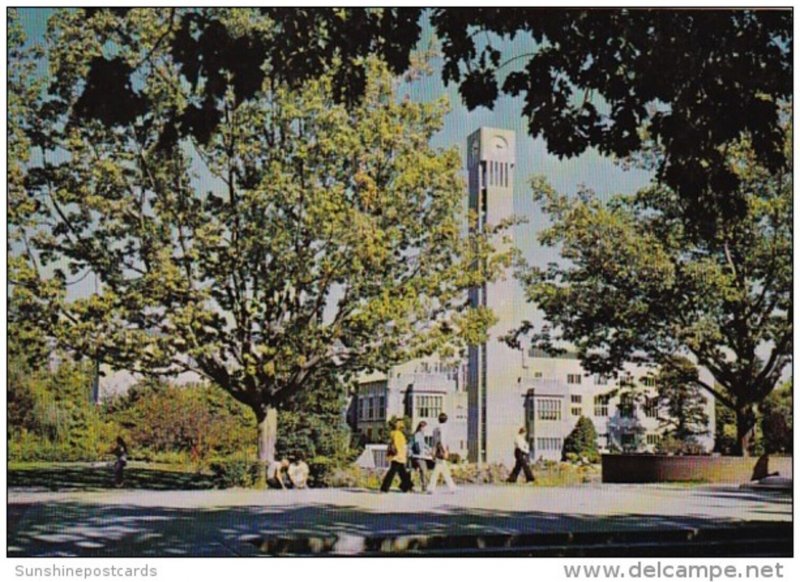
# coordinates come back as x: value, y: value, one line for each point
x: 441, y: 452
x: 298, y: 473
x: 522, y: 451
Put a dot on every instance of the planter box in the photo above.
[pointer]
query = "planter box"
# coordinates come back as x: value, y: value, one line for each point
x: 661, y: 468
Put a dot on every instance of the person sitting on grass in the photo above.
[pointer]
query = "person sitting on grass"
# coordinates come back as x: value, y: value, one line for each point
x: 277, y: 477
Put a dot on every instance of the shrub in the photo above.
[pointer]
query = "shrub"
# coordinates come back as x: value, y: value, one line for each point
x: 671, y: 445
x: 311, y: 425
x: 187, y: 424
x: 233, y: 472
x: 776, y: 420
x: 554, y: 474
x: 470, y: 473
x: 582, y: 442
x: 354, y: 476
x: 51, y: 416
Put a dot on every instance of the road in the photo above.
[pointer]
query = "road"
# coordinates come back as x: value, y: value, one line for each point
x: 132, y: 523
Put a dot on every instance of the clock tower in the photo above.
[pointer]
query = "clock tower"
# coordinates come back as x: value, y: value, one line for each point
x: 495, y: 410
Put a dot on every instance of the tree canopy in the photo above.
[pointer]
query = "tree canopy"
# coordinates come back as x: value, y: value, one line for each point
x: 636, y: 285
x: 694, y: 81
x: 297, y: 239
x: 682, y: 402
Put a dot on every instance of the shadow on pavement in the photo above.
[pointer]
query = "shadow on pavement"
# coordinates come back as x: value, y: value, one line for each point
x: 66, y: 528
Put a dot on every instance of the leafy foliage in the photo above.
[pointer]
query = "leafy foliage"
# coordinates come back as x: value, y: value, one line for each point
x: 196, y: 421
x: 694, y: 81
x: 582, y: 441
x: 725, y: 441
x: 236, y: 471
x: 322, y: 240
x: 313, y: 427
x: 776, y: 420
x: 637, y: 285
x: 51, y: 415
x: 683, y: 402
x: 671, y: 445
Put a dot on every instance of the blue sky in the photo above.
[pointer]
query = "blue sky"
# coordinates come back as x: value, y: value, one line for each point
x: 590, y: 169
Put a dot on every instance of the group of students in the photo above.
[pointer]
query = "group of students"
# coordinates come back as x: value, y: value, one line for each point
x: 422, y: 458
x: 284, y: 474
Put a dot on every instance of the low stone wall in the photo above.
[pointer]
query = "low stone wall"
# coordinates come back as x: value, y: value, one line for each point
x: 661, y: 468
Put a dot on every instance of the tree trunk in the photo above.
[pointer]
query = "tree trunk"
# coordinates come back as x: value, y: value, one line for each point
x: 745, y: 423
x: 267, y: 437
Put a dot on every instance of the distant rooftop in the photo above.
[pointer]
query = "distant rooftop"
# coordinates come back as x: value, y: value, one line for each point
x: 537, y: 353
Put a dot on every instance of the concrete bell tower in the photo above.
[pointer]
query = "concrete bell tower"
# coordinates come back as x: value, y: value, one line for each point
x: 495, y: 409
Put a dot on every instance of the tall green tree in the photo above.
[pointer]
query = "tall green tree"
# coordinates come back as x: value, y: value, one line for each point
x: 681, y: 400
x: 313, y: 423
x: 636, y: 284
x: 582, y: 441
x: 694, y: 80
x: 295, y: 239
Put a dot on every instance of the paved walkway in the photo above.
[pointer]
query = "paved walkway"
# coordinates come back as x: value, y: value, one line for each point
x: 224, y: 523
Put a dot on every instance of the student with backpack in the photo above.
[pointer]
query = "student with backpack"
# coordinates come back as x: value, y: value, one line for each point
x: 421, y: 459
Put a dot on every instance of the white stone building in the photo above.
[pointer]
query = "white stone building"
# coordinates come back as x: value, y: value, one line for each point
x: 500, y: 389
x: 419, y: 390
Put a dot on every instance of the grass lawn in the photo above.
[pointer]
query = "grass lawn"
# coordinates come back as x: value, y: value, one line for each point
x: 99, y: 476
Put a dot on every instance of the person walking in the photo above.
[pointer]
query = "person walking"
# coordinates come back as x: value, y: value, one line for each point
x: 398, y: 457
x: 421, y: 459
x: 522, y: 453
x: 120, y: 451
x: 441, y: 452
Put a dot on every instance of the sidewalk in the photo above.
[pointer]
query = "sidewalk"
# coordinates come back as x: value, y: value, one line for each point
x: 236, y: 522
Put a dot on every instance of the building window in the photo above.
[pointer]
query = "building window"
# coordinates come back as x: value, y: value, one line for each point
x: 428, y: 406
x: 361, y: 408
x: 601, y: 379
x: 652, y: 439
x: 371, y: 408
x: 648, y: 381
x: 382, y: 407
x: 576, y: 411
x: 548, y: 444
x: 601, y: 405
x: 549, y: 409
x: 537, y: 374
x: 573, y: 378
x: 651, y: 408
x: 576, y: 398
x: 626, y: 405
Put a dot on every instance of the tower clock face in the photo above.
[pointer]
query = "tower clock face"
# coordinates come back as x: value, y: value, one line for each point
x: 499, y: 146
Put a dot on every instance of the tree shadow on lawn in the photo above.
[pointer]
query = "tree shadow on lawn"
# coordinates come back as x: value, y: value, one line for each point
x: 70, y: 528
x: 86, y: 477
